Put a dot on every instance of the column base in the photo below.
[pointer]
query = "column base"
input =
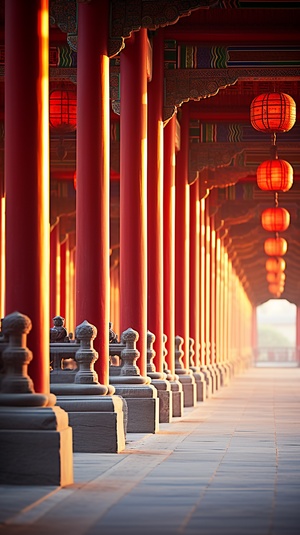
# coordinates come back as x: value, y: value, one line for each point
x: 177, y: 398
x: 97, y: 422
x: 35, y: 446
x: 143, y: 406
x: 165, y: 400
x: 208, y: 381
x: 224, y: 373
x: 189, y: 389
x: 200, y: 384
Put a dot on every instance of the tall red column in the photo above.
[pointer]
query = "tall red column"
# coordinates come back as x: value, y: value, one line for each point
x: 27, y: 175
x: 64, y: 280
x: 155, y: 200
x: 2, y: 233
x: 133, y: 191
x: 54, y: 272
x: 207, y: 285
x: 182, y: 239
x: 169, y: 240
x: 212, y: 290
x: 93, y: 135
x: 202, y: 282
x: 195, y: 269
x: 298, y: 335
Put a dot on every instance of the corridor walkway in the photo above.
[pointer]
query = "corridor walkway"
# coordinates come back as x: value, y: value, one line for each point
x: 230, y: 466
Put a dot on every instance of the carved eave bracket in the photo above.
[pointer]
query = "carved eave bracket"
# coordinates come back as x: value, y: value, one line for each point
x: 212, y: 156
x: 126, y: 17
x: 132, y: 15
x: 182, y: 85
x: 222, y: 177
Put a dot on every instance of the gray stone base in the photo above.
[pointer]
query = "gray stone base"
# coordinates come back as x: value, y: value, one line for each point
x: 200, y: 385
x: 177, y: 398
x: 143, y: 407
x: 35, y: 446
x: 208, y: 381
x: 224, y: 373
x: 165, y: 400
x: 189, y: 390
x: 97, y: 422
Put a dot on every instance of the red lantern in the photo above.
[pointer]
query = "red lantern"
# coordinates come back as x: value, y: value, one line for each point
x: 63, y: 110
x: 275, y: 219
x: 273, y: 112
x: 275, y: 175
x: 275, y: 246
x: 275, y: 277
x: 275, y: 289
x: 276, y: 265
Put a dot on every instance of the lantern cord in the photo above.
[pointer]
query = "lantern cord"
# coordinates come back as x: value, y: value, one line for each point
x: 276, y: 199
x: 273, y: 149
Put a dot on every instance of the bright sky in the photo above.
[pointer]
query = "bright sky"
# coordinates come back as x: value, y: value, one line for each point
x: 277, y: 311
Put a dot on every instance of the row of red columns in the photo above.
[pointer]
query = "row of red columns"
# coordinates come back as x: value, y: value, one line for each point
x: 169, y: 264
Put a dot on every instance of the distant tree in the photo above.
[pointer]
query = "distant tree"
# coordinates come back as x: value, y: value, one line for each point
x: 268, y: 337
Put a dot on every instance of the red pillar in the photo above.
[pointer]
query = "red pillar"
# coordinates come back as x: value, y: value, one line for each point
x: 54, y: 273
x: 27, y: 174
x: 133, y: 191
x: 92, y: 222
x: 182, y: 239
x: 212, y: 290
x: 207, y: 285
x: 298, y: 335
x: 169, y: 240
x: 202, y: 282
x: 2, y: 234
x: 195, y: 269
x: 155, y: 200
x: 64, y: 280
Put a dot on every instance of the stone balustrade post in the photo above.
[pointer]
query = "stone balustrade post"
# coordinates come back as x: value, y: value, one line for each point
x: 30, y: 423
x: 141, y: 396
x: 185, y: 376
x: 159, y: 380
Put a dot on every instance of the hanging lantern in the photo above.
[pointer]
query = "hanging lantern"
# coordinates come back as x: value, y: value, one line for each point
x: 275, y: 219
x: 275, y: 246
x: 275, y: 290
x: 63, y: 110
x: 275, y: 175
x: 275, y: 277
x: 276, y: 265
x: 273, y: 112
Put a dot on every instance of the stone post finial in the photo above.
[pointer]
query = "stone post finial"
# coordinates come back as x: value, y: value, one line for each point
x: 191, y: 351
x: 58, y: 333
x: 16, y: 356
x: 178, y: 353
x: 150, y: 352
x: 86, y: 355
x: 130, y: 354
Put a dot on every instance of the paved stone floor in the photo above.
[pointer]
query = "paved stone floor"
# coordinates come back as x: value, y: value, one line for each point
x: 230, y: 466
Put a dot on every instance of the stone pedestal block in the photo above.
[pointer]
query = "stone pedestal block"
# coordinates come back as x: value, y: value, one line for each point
x: 224, y: 374
x: 208, y: 381
x: 35, y: 446
x: 200, y: 384
x: 97, y: 422
x: 165, y: 400
x: 189, y: 390
x: 143, y: 407
x: 177, y: 398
